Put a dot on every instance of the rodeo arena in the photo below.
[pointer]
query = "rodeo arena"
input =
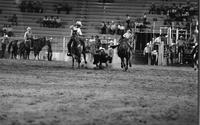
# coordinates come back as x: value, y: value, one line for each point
x: 99, y: 62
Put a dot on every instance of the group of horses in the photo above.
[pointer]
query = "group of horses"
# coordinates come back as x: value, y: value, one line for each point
x: 124, y: 51
x: 23, y: 48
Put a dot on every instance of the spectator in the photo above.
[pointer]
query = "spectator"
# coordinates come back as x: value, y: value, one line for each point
x: 108, y: 27
x: 44, y: 21
x: 147, y: 52
x: 58, y: 8
x: 51, y: 22
x: 103, y: 28
x: 128, y: 20
x: 173, y: 11
x: 163, y: 9
x: 4, y: 42
x: 152, y: 9
x: 14, y: 19
x: 120, y: 28
x: 145, y: 22
x: 113, y: 28
x: 38, y: 7
x: 181, y: 44
x: 30, y: 6
x: 154, y: 57
x: 58, y: 21
x: 67, y: 8
x: 23, y: 5
x: 63, y: 7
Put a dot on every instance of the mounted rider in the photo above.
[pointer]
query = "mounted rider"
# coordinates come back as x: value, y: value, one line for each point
x: 128, y: 37
x: 28, y: 36
x: 75, y: 31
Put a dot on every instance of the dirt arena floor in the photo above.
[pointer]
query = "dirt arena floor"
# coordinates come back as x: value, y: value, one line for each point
x: 52, y: 93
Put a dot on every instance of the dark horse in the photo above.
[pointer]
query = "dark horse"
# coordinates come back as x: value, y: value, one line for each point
x: 124, y: 51
x: 16, y: 47
x: 77, y: 50
x: 37, y: 45
x: 13, y: 49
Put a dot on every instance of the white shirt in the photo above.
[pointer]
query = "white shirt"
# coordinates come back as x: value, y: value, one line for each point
x: 28, y: 34
x: 127, y: 35
x: 78, y: 30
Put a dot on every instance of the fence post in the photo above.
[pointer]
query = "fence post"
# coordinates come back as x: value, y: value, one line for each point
x: 64, y: 47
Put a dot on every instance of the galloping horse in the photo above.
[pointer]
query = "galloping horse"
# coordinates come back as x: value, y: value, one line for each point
x: 124, y: 51
x: 37, y: 45
x: 77, y: 50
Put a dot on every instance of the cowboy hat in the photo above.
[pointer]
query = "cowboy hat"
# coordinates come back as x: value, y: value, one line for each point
x: 28, y: 28
x: 78, y: 23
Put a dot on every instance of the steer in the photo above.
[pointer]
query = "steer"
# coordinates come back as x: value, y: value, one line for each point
x: 101, y: 57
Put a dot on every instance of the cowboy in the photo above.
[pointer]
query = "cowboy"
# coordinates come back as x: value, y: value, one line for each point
x: 75, y: 30
x: 4, y: 42
x: 28, y: 36
x: 128, y: 36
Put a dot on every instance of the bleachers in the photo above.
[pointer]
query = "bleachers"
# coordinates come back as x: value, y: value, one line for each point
x: 90, y: 12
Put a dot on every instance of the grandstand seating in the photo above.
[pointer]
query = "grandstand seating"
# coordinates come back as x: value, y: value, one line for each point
x: 91, y: 13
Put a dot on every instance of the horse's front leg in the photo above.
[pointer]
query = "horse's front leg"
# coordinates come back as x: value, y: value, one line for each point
x: 127, y: 63
x: 72, y: 62
x: 79, y: 61
x: 122, y: 62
